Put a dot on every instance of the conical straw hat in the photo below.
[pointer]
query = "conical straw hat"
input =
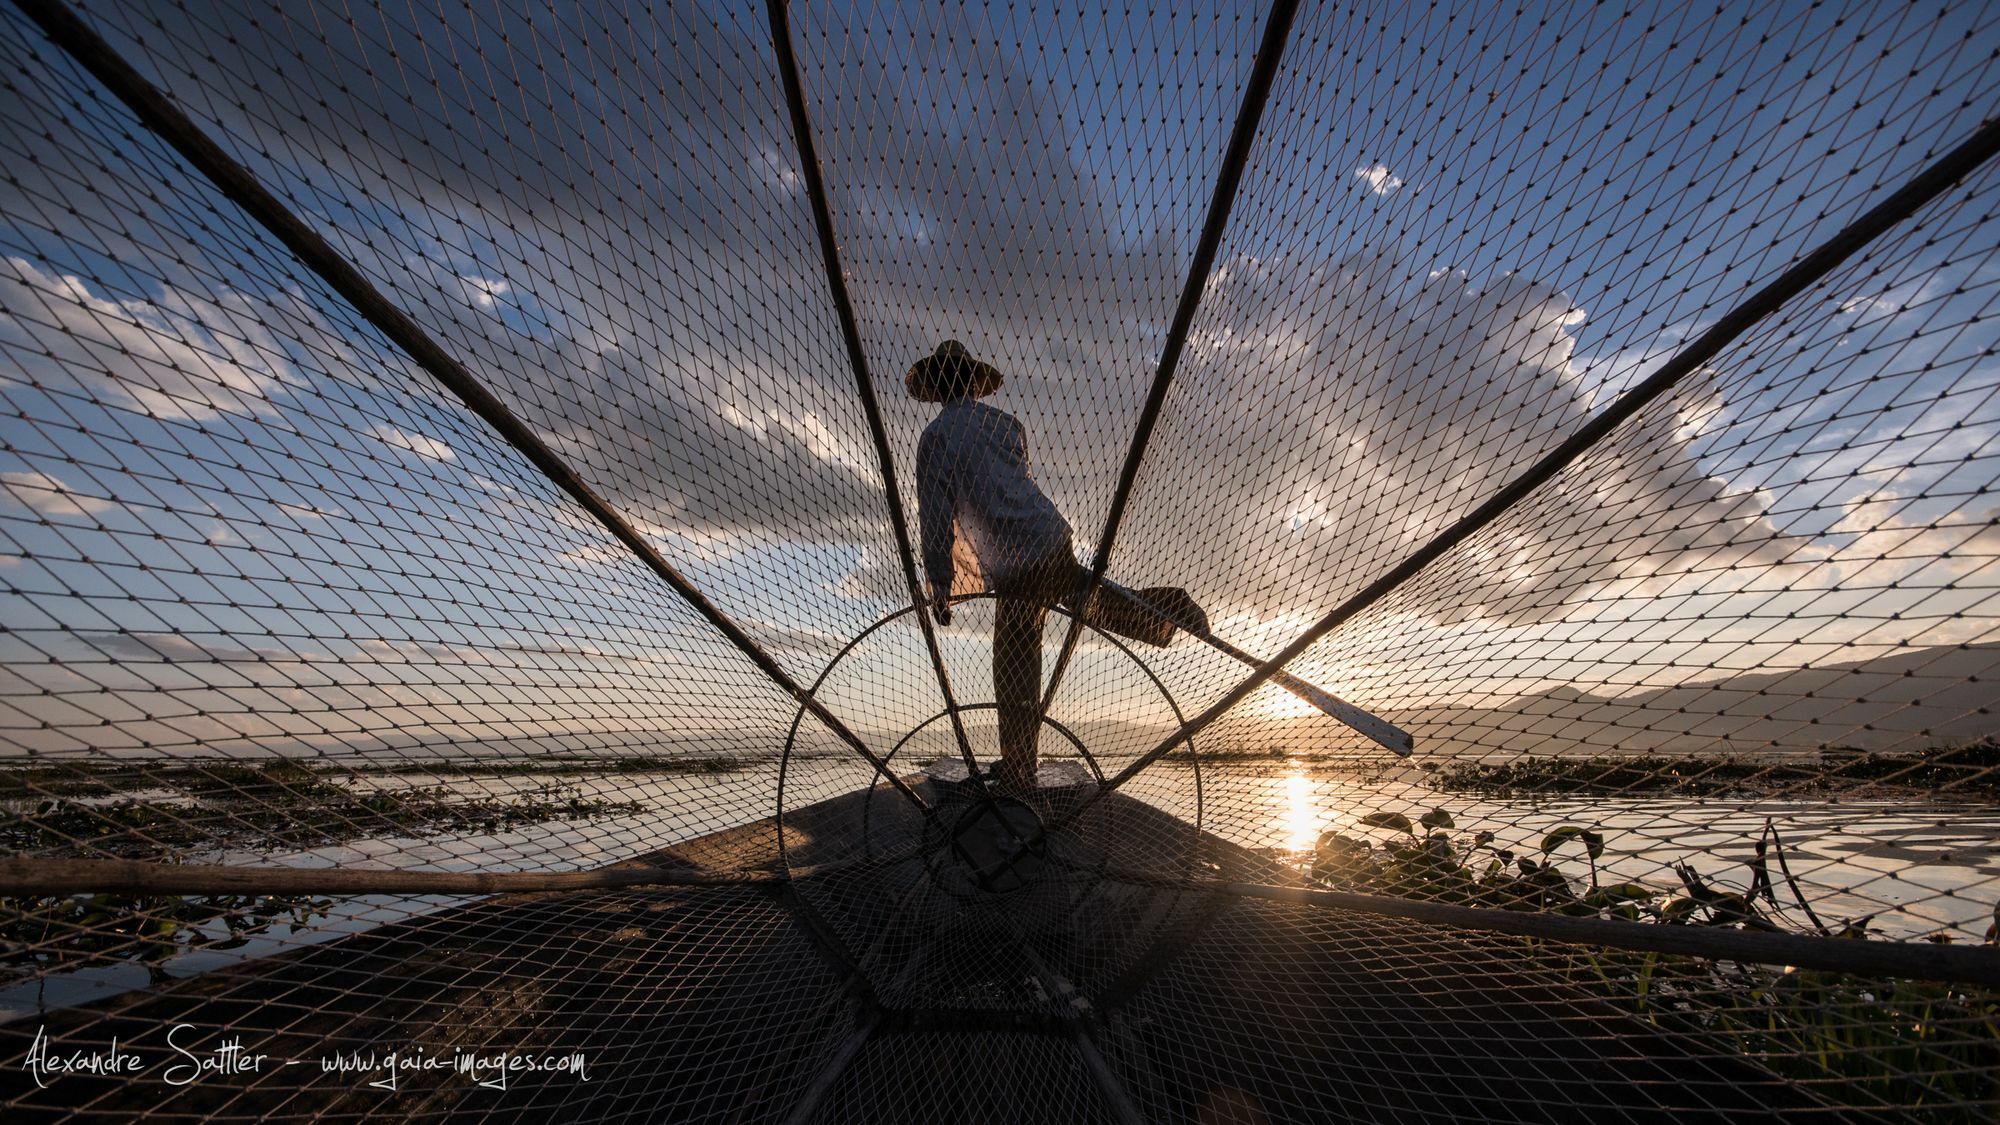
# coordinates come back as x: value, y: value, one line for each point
x: 926, y: 376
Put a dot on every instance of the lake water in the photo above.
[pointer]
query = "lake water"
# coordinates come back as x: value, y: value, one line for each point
x: 1912, y: 868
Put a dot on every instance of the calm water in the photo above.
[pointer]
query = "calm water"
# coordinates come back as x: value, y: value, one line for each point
x: 1914, y: 868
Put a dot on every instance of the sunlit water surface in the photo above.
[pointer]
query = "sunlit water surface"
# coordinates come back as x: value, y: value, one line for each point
x: 1912, y: 868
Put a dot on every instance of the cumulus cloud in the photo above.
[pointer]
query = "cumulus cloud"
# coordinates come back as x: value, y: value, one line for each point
x: 429, y: 448
x: 1379, y: 179
x: 48, y: 496
x: 171, y: 354
x: 1325, y: 440
x: 1889, y: 536
x: 659, y: 315
x: 483, y: 292
x: 688, y: 363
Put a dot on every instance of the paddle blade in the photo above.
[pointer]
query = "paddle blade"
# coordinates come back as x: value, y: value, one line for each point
x: 1386, y: 733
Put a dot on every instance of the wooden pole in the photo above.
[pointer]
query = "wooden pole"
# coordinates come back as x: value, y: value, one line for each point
x: 1916, y: 960
x: 24, y: 876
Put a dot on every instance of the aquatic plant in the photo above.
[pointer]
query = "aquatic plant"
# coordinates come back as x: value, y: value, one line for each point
x: 1421, y: 859
x: 1880, y: 1042
x: 38, y: 780
x: 51, y: 932
x: 1963, y: 771
x: 251, y: 813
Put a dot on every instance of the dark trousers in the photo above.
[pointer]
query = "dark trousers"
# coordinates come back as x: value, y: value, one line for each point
x: 1020, y: 612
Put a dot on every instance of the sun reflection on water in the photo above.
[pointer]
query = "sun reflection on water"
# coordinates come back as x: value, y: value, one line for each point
x: 1301, y: 818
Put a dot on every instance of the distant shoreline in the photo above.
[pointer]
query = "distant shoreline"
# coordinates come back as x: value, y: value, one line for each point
x: 1960, y: 772
x: 1971, y: 771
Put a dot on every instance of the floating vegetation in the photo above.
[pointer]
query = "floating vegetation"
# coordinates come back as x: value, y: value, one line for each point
x: 1421, y: 859
x: 1959, y: 771
x: 566, y: 766
x: 1879, y: 1042
x: 1887, y: 1042
x: 207, y: 807
x: 1209, y: 757
x: 56, y: 932
x: 277, y: 806
x: 24, y: 781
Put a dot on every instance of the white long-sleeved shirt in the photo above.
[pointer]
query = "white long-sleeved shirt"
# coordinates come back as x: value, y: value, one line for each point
x: 972, y: 470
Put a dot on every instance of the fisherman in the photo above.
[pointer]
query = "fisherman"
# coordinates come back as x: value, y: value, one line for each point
x: 979, y: 507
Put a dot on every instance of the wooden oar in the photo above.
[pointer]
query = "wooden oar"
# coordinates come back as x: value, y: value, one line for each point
x: 1380, y: 730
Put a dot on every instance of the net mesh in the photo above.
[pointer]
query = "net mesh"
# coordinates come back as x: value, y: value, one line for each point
x: 1280, y: 301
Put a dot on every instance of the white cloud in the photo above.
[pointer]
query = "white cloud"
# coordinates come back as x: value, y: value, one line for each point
x: 303, y: 512
x: 1883, y: 537
x: 1378, y: 418
x: 49, y: 497
x: 598, y: 554
x: 779, y: 172
x: 426, y: 447
x: 483, y: 292
x: 1379, y: 179
x: 176, y: 355
x: 1354, y: 419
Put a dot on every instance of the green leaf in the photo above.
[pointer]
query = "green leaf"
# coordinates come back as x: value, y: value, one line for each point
x: 1548, y: 875
x: 1437, y: 818
x: 1333, y: 845
x: 1439, y: 847
x: 1394, y: 820
x: 1730, y: 908
x: 1342, y: 859
x: 1593, y: 842
x: 1623, y: 892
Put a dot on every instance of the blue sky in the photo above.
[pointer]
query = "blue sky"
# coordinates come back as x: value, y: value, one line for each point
x: 1459, y: 236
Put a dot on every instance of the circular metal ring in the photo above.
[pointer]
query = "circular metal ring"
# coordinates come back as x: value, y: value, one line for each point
x: 791, y: 736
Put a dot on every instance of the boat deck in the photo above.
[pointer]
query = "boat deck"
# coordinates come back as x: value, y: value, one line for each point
x: 881, y: 991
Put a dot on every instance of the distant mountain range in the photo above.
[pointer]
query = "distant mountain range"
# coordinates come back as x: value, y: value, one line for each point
x: 1943, y: 695
x: 1908, y: 701
x: 1916, y: 699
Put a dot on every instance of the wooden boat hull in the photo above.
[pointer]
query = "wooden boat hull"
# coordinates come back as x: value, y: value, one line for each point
x: 875, y: 993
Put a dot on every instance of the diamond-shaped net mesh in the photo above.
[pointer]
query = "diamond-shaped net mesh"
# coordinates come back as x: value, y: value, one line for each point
x: 513, y: 606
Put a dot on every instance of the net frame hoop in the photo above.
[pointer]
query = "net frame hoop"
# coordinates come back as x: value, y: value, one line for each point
x: 791, y: 737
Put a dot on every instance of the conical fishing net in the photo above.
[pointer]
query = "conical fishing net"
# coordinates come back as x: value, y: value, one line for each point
x: 513, y: 606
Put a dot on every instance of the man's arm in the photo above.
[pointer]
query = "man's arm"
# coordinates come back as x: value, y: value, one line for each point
x: 934, y: 520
